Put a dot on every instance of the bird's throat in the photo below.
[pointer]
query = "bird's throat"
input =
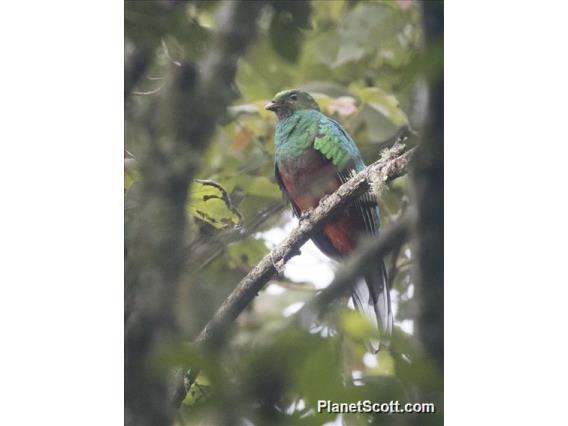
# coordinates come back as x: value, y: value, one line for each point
x: 283, y: 113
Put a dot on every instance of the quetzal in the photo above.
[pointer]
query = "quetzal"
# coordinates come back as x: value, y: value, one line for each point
x: 314, y: 155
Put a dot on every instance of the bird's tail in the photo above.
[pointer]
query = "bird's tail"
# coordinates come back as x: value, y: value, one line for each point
x: 372, y: 297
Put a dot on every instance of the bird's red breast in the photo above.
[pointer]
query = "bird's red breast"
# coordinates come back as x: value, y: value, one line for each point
x: 309, y: 178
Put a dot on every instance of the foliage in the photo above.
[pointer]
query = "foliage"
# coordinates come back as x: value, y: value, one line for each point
x: 210, y: 202
x: 355, y: 58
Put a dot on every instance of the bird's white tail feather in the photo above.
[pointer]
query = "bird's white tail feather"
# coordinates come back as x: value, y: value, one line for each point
x: 372, y: 298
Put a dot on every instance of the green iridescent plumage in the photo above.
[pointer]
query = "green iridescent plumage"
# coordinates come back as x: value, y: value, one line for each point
x: 314, y: 154
x: 337, y: 147
x: 305, y: 129
x: 296, y: 133
x: 302, y: 127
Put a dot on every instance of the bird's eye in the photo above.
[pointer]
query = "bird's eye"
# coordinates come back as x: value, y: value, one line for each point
x: 294, y: 97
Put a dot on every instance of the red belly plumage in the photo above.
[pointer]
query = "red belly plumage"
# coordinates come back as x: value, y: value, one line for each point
x: 306, y: 182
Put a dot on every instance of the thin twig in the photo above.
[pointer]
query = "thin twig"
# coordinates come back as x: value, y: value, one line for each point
x: 149, y: 92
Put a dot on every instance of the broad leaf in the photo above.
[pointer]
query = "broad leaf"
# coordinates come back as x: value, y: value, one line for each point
x: 211, y: 203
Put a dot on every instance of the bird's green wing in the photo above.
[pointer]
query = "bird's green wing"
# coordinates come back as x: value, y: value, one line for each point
x: 373, y: 296
x: 335, y: 144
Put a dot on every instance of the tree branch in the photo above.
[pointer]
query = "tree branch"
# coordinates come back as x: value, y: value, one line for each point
x: 250, y: 285
x: 383, y: 170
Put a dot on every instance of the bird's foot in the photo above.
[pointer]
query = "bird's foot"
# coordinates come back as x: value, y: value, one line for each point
x: 278, y: 265
x: 306, y: 214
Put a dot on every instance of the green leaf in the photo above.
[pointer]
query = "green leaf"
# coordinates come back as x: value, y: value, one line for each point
x: 356, y: 325
x: 263, y: 187
x: 385, y: 103
x: 210, y: 202
x: 317, y: 374
x: 329, y: 11
x: 199, y: 392
x: 247, y: 252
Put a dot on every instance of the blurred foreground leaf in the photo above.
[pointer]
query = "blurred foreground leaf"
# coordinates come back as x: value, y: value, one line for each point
x: 199, y: 391
x: 130, y: 173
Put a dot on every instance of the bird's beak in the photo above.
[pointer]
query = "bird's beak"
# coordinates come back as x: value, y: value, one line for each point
x: 271, y: 106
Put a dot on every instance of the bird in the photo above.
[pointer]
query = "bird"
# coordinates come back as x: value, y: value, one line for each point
x: 314, y: 156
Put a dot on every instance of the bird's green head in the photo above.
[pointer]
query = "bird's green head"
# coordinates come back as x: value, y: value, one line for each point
x: 285, y: 103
